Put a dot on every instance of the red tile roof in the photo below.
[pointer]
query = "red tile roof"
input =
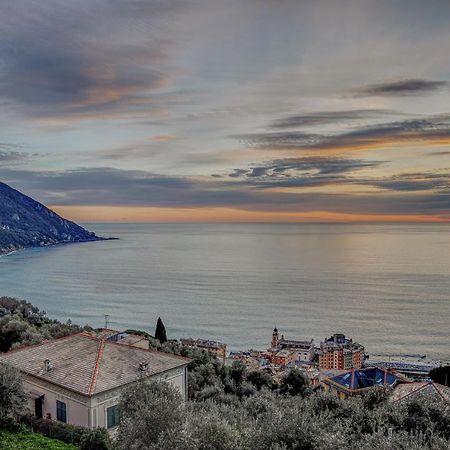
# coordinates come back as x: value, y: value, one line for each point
x: 89, y: 365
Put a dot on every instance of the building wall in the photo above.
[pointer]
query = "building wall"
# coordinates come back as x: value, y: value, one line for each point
x: 77, y: 406
x: 86, y: 411
x: 101, y: 402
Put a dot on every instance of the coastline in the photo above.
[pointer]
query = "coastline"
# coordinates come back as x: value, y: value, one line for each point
x: 9, y: 251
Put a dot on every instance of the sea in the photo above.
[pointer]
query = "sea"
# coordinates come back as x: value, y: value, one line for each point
x: 386, y: 286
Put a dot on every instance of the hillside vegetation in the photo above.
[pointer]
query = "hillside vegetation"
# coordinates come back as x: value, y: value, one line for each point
x: 30, y: 441
x: 24, y: 222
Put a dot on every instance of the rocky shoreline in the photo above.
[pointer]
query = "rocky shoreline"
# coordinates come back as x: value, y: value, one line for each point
x: 13, y: 249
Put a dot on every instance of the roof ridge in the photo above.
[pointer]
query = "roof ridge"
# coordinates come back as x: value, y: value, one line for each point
x: 100, y: 349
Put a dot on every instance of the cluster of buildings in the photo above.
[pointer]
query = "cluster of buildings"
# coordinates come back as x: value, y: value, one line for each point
x: 336, y: 352
x: 78, y: 379
x: 338, y: 364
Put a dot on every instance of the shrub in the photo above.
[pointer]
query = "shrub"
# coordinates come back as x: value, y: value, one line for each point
x: 147, y: 410
x: 295, y: 383
x: 12, y: 395
x: 83, y: 438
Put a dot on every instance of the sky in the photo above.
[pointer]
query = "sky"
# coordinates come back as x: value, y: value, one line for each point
x: 228, y: 110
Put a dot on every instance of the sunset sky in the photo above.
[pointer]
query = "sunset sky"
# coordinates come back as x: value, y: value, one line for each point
x: 228, y: 110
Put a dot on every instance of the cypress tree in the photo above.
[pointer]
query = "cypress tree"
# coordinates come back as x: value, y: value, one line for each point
x: 160, y: 332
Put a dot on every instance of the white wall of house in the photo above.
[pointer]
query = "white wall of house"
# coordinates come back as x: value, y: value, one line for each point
x: 100, y: 403
x: 90, y: 412
x: 77, y: 406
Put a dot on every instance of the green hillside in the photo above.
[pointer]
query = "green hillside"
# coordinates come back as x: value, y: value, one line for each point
x: 30, y: 441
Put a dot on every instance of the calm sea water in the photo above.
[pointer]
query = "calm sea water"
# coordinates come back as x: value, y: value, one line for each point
x: 387, y: 286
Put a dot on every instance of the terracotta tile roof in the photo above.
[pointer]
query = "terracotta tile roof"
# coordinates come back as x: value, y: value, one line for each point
x: 408, y: 391
x: 90, y: 365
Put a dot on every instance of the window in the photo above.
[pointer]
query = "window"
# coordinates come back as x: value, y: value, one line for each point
x: 112, y: 416
x: 61, y: 411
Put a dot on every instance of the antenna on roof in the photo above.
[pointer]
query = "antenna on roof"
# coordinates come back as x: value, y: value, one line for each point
x: 106, y: 320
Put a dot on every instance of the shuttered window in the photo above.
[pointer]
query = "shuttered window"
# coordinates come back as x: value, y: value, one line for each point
x: 112, y: 416
x: 61, y: 411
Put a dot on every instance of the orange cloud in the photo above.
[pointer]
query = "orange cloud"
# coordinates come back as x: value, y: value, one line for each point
x: 162, y: 138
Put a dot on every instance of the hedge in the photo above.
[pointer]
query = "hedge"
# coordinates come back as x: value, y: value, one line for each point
x: 83, y: 438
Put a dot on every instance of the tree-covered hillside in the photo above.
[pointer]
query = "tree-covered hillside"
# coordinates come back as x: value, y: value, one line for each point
x: 25, y: 222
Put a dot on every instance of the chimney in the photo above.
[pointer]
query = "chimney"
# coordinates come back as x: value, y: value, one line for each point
x: 47, y: 365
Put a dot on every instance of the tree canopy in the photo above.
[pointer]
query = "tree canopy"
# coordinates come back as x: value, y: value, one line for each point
x: 441, y: 375
x: 12, y: 395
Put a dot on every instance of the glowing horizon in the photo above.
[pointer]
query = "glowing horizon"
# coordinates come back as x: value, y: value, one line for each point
x: 93, y: 214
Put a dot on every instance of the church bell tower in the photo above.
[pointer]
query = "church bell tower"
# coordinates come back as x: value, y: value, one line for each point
x: 274, y: 342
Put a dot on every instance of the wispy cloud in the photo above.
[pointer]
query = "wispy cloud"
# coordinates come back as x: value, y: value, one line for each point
x: 301, y: 172
x: 408, y: 86
x: 106, y: 186
x: 60, y: 59
x: 328, y: 117
x: 12, y: 154
x: 433, y: 130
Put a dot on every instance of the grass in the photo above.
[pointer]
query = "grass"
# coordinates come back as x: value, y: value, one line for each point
x: 30, y: 441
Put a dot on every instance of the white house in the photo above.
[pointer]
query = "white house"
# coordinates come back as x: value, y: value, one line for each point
x: 77, y: 379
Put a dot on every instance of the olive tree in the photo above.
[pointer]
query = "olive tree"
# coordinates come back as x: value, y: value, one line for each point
x: 12, y: 395
x: 148, y: 410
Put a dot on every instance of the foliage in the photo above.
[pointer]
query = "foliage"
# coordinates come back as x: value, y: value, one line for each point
x: 83, y: 438
x: 148, y: 410
x: 273, y: 420
x: 295, y: 383
x: 30, y: 441
x: 12, y: 395
x: 160, y: 331
x: 21, y: 323
x: 96, y: 439
x: 441, y: 375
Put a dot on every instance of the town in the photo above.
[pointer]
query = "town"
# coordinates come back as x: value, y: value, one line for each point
x: 83, y: 385
x: 327, y: 365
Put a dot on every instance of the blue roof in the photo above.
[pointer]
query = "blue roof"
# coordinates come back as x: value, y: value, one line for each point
x: 365, y: 378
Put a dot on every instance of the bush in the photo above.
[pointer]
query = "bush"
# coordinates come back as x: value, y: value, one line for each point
x: 441, y: 375
x: 148, y: 409
x: 295, y: 383
x: 84, y: 438
x: 96, y: 439
x: 12, y: 395
x: 30, y: 441
x: 21, y: 323
x: 10, y: 425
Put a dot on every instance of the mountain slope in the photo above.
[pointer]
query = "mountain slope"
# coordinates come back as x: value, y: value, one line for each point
x: 24, y: 222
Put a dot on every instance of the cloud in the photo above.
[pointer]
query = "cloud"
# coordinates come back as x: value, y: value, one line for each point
x: 10, y: 154
x: 432, y: 130
x: 412, y: 182
x: 301, y: 172
x: 68, y: 60
x: 411, y: 86
x: 330, y: 171
x: 162, y: 138
x: 444, y: 153
x: 114, y: 187
x: 327, y: 117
